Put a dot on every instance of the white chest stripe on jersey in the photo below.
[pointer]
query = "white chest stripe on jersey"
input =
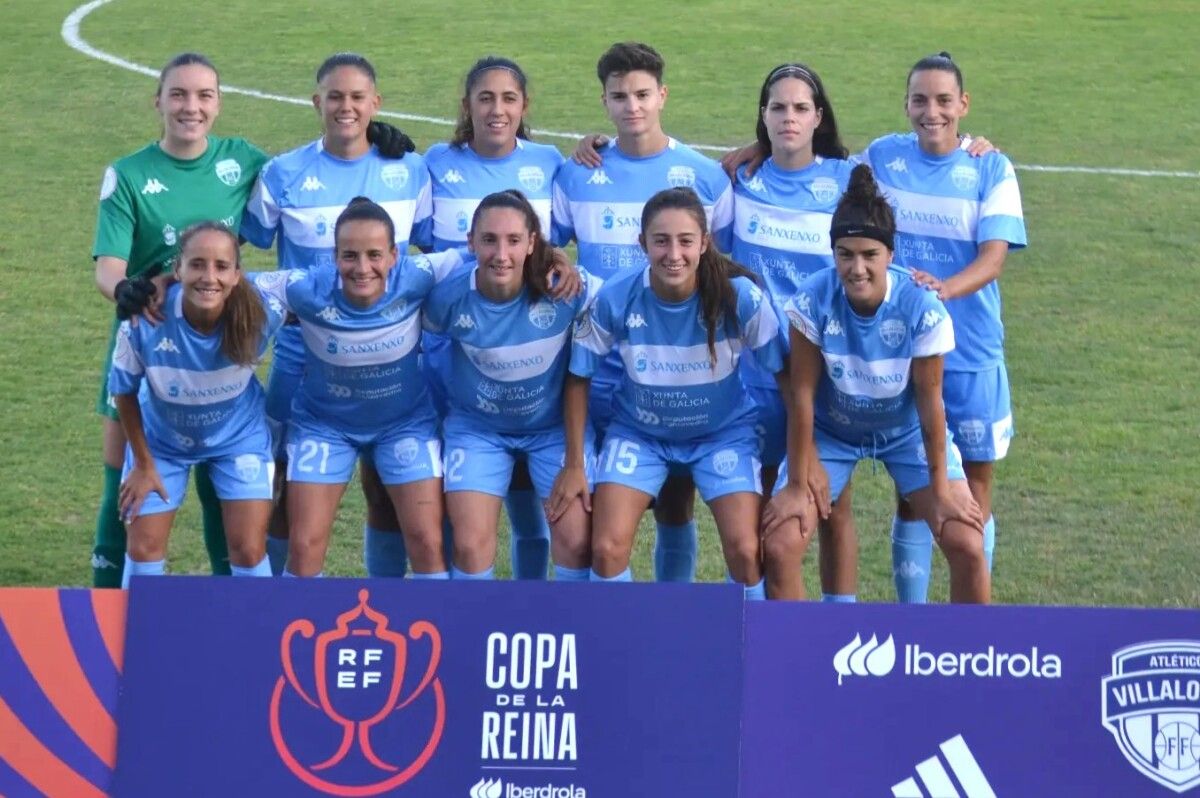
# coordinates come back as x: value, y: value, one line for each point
x: 611, y: 222
x: 186, y: 387
x: 875, y: 379
x: 647, y: 364
x: 937, y: 217
x: 340, y: 347
x: 518, y: 361
x: 782, y: 229
x: 312, y: 228
x: 446, y: 219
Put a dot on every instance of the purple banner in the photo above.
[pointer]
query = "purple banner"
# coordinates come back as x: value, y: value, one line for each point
x: 947, y: 701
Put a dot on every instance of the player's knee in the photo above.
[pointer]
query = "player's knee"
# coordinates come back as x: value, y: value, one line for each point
x: 962, y: 544
x: 785, y: 544
x: 141, y: 550
x: 609, y: 552
x: 742, y: 552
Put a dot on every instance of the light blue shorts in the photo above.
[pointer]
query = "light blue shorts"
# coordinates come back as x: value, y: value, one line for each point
x: 320, y: 453
x: 723, y: 463
x: 482, y: 460
x: 770, y: 423
x: 235, y: 477
x: 903, y: 457
x: 979, y: 412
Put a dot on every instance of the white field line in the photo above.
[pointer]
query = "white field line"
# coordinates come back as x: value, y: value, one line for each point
x: 70, y: 35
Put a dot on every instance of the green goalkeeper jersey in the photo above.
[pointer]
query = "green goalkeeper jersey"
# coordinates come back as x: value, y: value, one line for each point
x: 148, y: 198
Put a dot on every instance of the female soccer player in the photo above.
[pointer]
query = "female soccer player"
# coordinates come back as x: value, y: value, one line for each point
x: 491, y: 152
x: 680, y: 326
x: 203, y: 404
x: 510, y: 349
x: 146, y: 200
x: 294, y: 204
x: 866, y: 367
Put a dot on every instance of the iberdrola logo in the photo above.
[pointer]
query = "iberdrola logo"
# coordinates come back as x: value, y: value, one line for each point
x: 366, y: 713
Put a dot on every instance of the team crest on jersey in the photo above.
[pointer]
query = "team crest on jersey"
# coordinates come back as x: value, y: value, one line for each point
x: 169, y: 235
x: 394, y: 176
x: 248, y: 467
x: 109, y: 184
x: 681, y: 176
x: 406, y: 450
x: 824, y: 189
x: 461, y: 222
x: 396, y: 310
x: 531, y: 177
x: 330, y: 314
x: 1151, y: 705
x: 893, y: 332
x: 965, y: 178
x: 229, y: 171
x: 725, y: 461
x: 755, y: 184
x: 837, y: 370
x: 972, y: 431
x: 542, y: 315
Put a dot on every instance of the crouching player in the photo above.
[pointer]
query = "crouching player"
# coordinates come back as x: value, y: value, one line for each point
x: 680, y: 325
x: 201, y: 404
x: 866, y: 374
x: 511, y: 344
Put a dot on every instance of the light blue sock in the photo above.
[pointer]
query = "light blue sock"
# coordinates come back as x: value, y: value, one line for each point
x: 756, y: 592
x: 675, y: 552
x: 436, y: 575
x: 989, y: 540
x: 564, y: 574
x: 624, y: 576
x: 384, y: 554
x: 529, y: 542
x: 262, y: 569
x: 151, y: 568
x: 912, y: 556
x: 288, y: 574
x: 839, y: 598
x: 277, y: 550
x: 482, y: 576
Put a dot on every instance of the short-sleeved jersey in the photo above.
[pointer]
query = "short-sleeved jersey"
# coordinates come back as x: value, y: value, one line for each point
x: 866, y: 388
x: 360, y: 364
x: 195, y: 402
x: 148, y: 198
x: 671, y: 388
x: 462, y: 178
x: 508, y: 359
x: 946, y: 206
x: 301, y: 193
x: 601, y: 209
x: 781, y: 228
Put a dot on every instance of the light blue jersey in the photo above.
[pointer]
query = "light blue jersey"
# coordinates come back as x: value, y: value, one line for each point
x: 601, y: 208
x: 360, y: 369
x: 196, y: 403
x: 508, y: 359
x: 946, y: 206
x: 462, y: 178
x: 670, y: 388
x: 866, y: 393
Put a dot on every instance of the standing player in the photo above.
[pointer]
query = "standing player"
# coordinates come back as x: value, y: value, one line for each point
x: 957, y: 217
x: 601, y: 208
x: 509, y: 358
x: 146, y: 200
x: 866, y: 367
x: 201, y: 404
x: 294, y: 205
x: 491, y: 152
x: 680, y: 326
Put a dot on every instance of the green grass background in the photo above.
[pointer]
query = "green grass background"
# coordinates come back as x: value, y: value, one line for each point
x: 1097, y: 502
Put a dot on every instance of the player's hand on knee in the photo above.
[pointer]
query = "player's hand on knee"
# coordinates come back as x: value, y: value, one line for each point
x: 791, y: 502
x: 390, y: 140
x: 818, y: 486
x: 142, y: 480
x: 957, y: 505
x: 562, y: 279
x: 570, y: 483
x: 587, y: 150
x: 751, y: 155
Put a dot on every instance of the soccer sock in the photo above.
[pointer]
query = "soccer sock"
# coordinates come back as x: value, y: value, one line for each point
x: 564, y: 574
x: 839, y: 598
x: 277, y: 551
x: 624, y: 576
x: 214, y: 524
x: 912, y: 555
x: 291, y: 575
x: 262, y: 569
x: 436, y: 575
x: 108, y: 551
x: 151, y: 568
x: 384, y: 554
x: 989, y: 540
x: 756, y: 592
x: 483, y: 576
x: 529, y: 534
x: 675, y: 552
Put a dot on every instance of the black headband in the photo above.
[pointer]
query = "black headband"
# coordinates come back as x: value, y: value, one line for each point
x: 793, y: 71
x: 855, y: 230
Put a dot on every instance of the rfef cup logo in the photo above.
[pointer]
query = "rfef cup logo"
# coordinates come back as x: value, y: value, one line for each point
x: 357, y: 674
x: 1151, y: 704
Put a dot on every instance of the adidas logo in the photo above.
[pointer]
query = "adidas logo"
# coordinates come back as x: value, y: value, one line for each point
x: 311, y: 183
x: 898, y: 165
x: 100, y: 561
x: 635, y: 321
x: 487, y: 788
x: 932, y: 774
x: 869, y: 659
x: 465, y: 322
x: 454, y: 176
x: 330, y: 314
x: 166, y: 345
x: 599, y: 178
x: 153, y: 186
